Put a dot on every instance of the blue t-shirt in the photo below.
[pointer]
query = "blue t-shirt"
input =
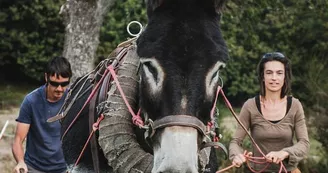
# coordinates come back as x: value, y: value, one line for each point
x: 43, y: 143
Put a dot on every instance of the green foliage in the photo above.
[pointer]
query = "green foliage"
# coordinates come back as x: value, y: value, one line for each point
x: 251, y: 28
x: 296, y: 28
x: 31, y: 32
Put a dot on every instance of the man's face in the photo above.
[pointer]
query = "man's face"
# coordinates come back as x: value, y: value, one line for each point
x: 56, y: 87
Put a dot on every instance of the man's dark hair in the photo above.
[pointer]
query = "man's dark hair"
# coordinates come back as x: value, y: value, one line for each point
x: 60, y: 66
x: 286, y: 88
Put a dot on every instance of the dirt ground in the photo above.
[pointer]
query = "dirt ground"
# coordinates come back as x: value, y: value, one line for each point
x: 7, y: 161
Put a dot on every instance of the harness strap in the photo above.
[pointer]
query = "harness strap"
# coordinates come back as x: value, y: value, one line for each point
x: 65, y: 108
x: 119, y: 53
x: 101, y: 93
x: 94, y: 129
x: 93, y: 140
x: 216, y: 145
x: 97, y: 95
x: 178, y: 120
x: 86, y: 102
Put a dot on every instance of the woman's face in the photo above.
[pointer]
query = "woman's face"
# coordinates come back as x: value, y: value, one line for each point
x: 274, y: 76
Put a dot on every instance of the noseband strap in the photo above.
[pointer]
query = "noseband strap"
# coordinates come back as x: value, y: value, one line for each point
x: 176, y: 120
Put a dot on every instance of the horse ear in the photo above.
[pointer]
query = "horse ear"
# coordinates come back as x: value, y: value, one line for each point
x: 153, y: 4
x: 219, y: 5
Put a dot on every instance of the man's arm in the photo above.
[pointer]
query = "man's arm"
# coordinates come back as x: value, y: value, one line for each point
x: 17, y: 147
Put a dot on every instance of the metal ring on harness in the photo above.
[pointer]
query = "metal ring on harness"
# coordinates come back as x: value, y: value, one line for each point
x: 128, y: 28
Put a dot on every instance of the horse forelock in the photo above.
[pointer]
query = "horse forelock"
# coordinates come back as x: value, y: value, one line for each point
x: 211, y: 6
x: 170, y: 35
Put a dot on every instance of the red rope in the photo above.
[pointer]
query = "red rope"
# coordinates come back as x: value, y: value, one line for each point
x: 87, y: 101
x: 136, y: 118
x: 225, y: 169
x: 95, y: 127
x: 247, y: 156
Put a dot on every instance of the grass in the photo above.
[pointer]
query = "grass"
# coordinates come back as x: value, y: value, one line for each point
x: 11, y: 95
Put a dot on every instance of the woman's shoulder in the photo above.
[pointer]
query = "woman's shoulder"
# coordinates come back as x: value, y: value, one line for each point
x: 250, y: 102
x: 295, y: 101
x: 252, y: 99
x: 297, y: 108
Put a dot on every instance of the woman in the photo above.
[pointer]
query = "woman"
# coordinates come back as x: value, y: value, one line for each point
x: 273, y: 118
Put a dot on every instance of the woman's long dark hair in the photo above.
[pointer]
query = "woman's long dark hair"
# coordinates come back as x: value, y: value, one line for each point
x: 276, y: 56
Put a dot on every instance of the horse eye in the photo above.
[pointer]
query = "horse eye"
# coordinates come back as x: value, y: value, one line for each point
x: 153, y: 74
x: 151, y: 69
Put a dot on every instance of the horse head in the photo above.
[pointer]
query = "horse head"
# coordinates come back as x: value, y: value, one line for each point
x: 181, y: 52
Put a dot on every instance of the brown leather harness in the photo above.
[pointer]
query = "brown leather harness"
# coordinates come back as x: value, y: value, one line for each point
x: 101, y: 85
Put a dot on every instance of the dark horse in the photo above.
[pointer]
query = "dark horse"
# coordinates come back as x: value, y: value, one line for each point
x: 171, y: 74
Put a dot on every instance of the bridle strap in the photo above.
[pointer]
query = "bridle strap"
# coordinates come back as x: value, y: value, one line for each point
x: 179, y: 120
x: 65, y: 108
x: 93, y: 139
x: 215, y: 145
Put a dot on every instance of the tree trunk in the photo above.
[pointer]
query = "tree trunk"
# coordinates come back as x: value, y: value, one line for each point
x: 83, y: 19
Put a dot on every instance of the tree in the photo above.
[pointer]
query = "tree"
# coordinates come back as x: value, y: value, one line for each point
x: 83, y: 19
x: 31, y: 32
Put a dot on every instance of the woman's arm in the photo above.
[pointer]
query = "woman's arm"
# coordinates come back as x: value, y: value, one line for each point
x: 235, y: 149
x: 299, y: 150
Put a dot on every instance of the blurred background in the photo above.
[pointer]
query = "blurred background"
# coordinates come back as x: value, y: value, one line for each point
x: 32, y: 31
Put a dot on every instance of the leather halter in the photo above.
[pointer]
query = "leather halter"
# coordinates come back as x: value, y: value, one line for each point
x: 187, y: 121
x: 100, y: 83
x: 175, y: 120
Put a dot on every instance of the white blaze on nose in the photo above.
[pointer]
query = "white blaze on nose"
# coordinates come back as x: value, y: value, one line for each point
x: 154, y: 79
x: 177, y: 151
x: 184, y: 102
x: 212, y: 79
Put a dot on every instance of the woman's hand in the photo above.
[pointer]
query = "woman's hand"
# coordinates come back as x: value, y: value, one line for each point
x: 276, y: 156
x: 239, y: 159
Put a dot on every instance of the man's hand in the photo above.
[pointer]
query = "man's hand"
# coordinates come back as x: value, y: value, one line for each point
x: 21, y: 166
x: 276, y: 156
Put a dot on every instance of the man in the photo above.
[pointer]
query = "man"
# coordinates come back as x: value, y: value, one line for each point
x: 43, y: 152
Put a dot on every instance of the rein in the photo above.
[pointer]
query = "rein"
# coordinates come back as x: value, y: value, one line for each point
x: 258, y: 160
x: 179, y: 120
x: 171, y: 120
x: 186, y: 120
